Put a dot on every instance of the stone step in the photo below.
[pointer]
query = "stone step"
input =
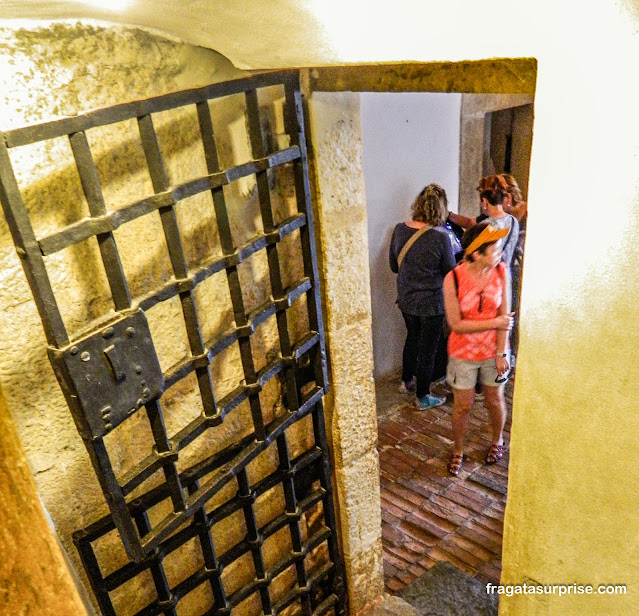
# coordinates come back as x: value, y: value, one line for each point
x: 445, y: 590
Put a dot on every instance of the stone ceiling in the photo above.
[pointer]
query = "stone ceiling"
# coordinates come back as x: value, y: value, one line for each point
x: 250, y: 33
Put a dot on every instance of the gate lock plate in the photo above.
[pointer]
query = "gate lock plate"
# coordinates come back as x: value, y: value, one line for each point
x: 109, y: 374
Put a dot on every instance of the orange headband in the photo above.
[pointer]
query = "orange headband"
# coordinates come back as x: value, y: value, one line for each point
x: 488, y: 235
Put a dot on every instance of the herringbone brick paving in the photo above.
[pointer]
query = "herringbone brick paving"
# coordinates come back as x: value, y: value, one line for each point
x: 427, y: 515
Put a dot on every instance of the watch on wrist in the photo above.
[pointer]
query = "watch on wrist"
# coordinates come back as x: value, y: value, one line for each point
x: 502, y: 355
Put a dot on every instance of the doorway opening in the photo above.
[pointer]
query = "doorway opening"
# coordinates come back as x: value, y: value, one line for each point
x: 412, y: 139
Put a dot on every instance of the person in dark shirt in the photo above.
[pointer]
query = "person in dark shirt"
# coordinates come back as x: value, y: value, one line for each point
x: 421, y: 254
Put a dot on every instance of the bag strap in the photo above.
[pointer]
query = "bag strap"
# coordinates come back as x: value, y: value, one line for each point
x: 407, y: 246
x: 456, y: 282
x: 510, y: 232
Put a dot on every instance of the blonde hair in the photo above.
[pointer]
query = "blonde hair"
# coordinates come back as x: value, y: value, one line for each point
x: 431, y: 206
x: 513, y: 188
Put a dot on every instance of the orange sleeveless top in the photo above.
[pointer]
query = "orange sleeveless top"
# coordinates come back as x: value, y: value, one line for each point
x: 477, y: 346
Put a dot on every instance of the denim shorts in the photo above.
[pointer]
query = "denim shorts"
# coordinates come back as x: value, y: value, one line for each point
x: 463, y: 373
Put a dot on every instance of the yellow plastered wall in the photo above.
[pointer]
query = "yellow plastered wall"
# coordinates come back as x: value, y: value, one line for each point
x: 34, y: 577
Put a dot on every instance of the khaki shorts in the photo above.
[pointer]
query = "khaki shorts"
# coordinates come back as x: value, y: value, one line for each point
x: 464, y: 374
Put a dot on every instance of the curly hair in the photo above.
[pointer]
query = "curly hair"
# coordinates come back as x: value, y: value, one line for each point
x: 431, y: 206
x: 493, y: 188
x: 513, y: 188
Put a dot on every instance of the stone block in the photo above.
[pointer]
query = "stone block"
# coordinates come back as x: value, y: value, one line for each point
x: 445, y: 590
x: 351, y: 349
x: 337, y: 151
x: 351, y: 404
x: 345, y: 273
x: 359, y: 505
x: 364, y: 578
x: 393, y: 606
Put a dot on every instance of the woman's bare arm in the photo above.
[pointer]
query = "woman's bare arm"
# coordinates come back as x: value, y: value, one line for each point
x: 519, y: 210
x: 502, y: 334
x: 463, y: 221
x: 502, y: 363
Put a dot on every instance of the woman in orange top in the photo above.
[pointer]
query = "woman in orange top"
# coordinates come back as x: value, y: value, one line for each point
x: 476, y: 300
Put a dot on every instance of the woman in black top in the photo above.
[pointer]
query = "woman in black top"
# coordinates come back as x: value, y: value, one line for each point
x: 421, y: 270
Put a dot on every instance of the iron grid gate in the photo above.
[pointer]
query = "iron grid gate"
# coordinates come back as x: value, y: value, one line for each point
x: 112, y: 372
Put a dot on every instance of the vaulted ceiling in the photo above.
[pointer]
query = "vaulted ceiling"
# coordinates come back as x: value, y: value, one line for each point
x: 251, y: 33
x: 292, y: 33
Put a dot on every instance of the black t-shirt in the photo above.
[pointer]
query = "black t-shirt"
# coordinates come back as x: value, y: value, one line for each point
x: 420, y: 280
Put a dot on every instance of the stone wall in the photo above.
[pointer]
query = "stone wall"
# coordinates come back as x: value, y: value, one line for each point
x: 341, y: 208
x: 474, y: 124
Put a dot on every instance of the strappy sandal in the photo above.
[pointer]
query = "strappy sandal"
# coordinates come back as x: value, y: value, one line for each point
x: 455, y: 464
x: 495, y: 453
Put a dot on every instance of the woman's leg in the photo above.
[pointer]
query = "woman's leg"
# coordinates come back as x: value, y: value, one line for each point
x: 411, y: 347
x: 441, y: 356
x: 497, y: 411
x: 462, y: 404
x: 429, y: 335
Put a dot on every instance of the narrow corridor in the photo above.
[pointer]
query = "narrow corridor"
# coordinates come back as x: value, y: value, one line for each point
x: 428, y: 516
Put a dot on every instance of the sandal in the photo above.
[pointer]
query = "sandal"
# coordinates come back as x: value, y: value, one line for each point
x: 455, y: 464
x: 495, y: 453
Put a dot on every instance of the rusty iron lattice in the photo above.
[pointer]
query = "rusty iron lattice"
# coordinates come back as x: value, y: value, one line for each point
x: 113, y: 372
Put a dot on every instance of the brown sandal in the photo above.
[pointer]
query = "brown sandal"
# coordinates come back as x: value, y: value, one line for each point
x: 455, y: 464
x: 495, y: 453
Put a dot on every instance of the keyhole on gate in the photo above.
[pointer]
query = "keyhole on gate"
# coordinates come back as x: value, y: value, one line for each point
x: 115, y: 363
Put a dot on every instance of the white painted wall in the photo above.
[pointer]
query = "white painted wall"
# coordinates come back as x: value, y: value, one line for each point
x: 410, y: 140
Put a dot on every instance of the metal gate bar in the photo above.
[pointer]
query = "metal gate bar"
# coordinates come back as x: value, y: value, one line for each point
x: 309, y: 465
x: 119, y: 351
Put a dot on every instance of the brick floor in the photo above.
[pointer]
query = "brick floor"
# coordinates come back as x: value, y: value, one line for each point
x: 427, y: 515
